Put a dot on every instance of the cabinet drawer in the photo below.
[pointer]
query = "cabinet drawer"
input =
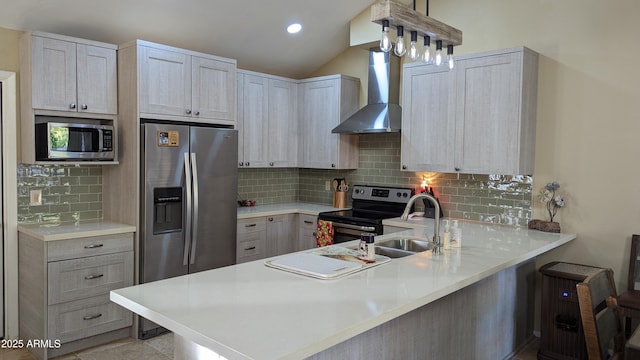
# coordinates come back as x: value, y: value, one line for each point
x: 308, y: 222
x: 87, y: 317
x: 90, y: 276
x: 250, y: 250
x: 89, y: 246
x: 251, y: 225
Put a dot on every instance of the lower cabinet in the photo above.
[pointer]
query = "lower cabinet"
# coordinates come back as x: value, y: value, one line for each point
x: 64, y: 290
x: 266, y: 236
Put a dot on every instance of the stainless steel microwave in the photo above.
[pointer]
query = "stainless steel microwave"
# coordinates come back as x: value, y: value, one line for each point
x: 62, y: 141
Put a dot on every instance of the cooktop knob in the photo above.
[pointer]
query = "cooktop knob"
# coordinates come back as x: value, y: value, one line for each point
x: 404, y: 195
x: 398, y: 194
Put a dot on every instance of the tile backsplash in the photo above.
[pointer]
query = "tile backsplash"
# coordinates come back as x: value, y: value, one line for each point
x: 72, y: 193
x: 69, y: 193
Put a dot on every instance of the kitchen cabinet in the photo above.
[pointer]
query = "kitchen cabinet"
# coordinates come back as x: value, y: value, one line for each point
x: 177, y: 84
x: 327, y: 101
x: 64, y: 290
x: 69, y: 74
x: 479, y: 118
x: 307, y: 227
x: 267, y: 120
x: 67, y: 77
x: 251, y: 239
x: 281, y: 234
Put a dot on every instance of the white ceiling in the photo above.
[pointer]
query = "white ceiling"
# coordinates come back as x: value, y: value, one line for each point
x: 251, y: 31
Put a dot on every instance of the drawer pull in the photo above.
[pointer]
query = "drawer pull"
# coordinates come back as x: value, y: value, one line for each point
x: 91, y: 317
x: 251, y: 225
x: 250, y: 248
x: 91, y: 277
x: 308, y: 222
x: 93, y: 246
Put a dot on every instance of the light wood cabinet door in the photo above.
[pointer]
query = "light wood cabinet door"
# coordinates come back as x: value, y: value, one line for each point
x: 282, y: 135
x: 255, y: 121
x: 320, y: 113
x: 488, y: 114
x: 165, y: 82
x: 281, y: 238
x: 53, y: 64
x: 213, y: 89
x: 307, y: 227
x: 428, y: 127
x: 97, y: 79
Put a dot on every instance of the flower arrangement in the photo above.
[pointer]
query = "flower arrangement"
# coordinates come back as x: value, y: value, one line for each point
x: 552, y: 200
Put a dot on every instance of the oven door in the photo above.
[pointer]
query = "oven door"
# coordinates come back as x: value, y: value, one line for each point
x: 347, y: 232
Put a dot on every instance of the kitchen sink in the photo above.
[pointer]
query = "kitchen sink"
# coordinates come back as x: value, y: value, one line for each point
x: 402, y: 246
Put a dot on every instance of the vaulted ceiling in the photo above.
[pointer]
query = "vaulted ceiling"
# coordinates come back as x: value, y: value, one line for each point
x: 253, y: 32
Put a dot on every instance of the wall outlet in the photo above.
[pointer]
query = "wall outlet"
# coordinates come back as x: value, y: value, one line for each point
x: 35, y: 197
x: 327, y: 185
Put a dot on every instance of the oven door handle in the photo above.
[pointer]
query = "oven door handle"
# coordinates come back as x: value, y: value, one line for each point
x: 354, y: 227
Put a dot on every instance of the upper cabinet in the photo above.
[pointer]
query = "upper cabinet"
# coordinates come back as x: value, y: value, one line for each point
x: 69, y: 74
x: 267, y: 120
x: 479, y: 118
x: 327, y: 101
x: 62, y: 76
x: 182, y: 85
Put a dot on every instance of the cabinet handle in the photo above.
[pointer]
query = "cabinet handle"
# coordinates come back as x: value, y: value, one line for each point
x: 404, y: 167
x: 93, y: 246
x: 72, y: 106
x: 270, y: 164
x: 250, y: 248
x: 333, y: 165
x: 247, y: 163
x: 188, y: 112
x: 270, y: 219
x: 315, y: 233
x: 250, y: 225
x: 241, y: 164
x: 84, y: 107
x: 91, y: 317
x: 457, y: 169
x: 91, y: 277
x: 308, y: 222
x: 196, y: 113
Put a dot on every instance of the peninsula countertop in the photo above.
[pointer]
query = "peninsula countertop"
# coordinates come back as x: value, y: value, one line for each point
x: 250, y: 311
x: 286, y: 208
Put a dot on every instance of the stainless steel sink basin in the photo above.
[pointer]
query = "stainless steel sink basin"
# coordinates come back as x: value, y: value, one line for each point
x: 402, y: 246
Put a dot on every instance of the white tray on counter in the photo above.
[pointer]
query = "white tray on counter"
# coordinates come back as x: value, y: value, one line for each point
x: 330, y: 262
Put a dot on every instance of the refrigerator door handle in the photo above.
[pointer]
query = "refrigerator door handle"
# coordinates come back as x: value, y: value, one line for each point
x: 187, y: 226
x: 194, y: 243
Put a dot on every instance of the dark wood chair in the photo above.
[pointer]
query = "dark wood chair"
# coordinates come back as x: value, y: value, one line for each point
x: 629, y: 301
x: 602, y: 325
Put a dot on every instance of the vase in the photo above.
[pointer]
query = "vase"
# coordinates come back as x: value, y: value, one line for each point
x: 547, y: 226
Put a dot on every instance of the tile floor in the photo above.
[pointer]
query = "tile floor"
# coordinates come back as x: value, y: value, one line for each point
x: 161, y: 348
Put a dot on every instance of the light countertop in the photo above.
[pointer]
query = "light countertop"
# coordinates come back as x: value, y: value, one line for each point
x: 64, y: 231
x: 281, y: 209
x: 250, y: 311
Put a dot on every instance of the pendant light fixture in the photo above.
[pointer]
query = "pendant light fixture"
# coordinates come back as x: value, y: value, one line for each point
x: 389, y: 14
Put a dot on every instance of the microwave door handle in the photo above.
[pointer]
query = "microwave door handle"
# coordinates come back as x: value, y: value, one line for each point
x: 100, y: 143
x: 194, y: 243
x: 187, y: 236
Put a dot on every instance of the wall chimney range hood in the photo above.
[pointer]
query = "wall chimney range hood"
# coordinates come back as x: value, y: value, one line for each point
x: 382, y: 112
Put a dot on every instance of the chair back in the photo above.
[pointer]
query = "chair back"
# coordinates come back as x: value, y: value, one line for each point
x: 633, y: 280
x: 599, y: 314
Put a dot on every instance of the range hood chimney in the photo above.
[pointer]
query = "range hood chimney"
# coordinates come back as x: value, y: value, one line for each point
x: 382, y: 112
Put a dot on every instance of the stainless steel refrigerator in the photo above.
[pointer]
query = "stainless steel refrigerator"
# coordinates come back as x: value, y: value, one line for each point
x: 188, y: 204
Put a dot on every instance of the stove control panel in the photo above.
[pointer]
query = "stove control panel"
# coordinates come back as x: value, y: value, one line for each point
x: 382, y: 193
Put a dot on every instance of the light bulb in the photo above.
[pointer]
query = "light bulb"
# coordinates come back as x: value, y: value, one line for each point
x: 385, y: 42
x: 438, y: 52
x: 426, y: 56
x: 450, y: 60
x: 400, y: 48
x: 413, y: 49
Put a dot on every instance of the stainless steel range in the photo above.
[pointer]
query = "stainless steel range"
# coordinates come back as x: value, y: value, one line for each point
x: 371, y: 205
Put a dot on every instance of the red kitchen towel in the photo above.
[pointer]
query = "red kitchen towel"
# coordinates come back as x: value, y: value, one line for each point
x: 324, y: 235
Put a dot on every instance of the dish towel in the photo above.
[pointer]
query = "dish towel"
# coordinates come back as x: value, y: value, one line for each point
x: 324, y: 235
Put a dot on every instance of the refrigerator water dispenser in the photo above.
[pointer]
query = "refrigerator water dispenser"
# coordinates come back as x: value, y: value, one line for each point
x: 167, y: 210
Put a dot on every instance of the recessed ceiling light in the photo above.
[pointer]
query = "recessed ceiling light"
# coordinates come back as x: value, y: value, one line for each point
x: 294, y: 28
